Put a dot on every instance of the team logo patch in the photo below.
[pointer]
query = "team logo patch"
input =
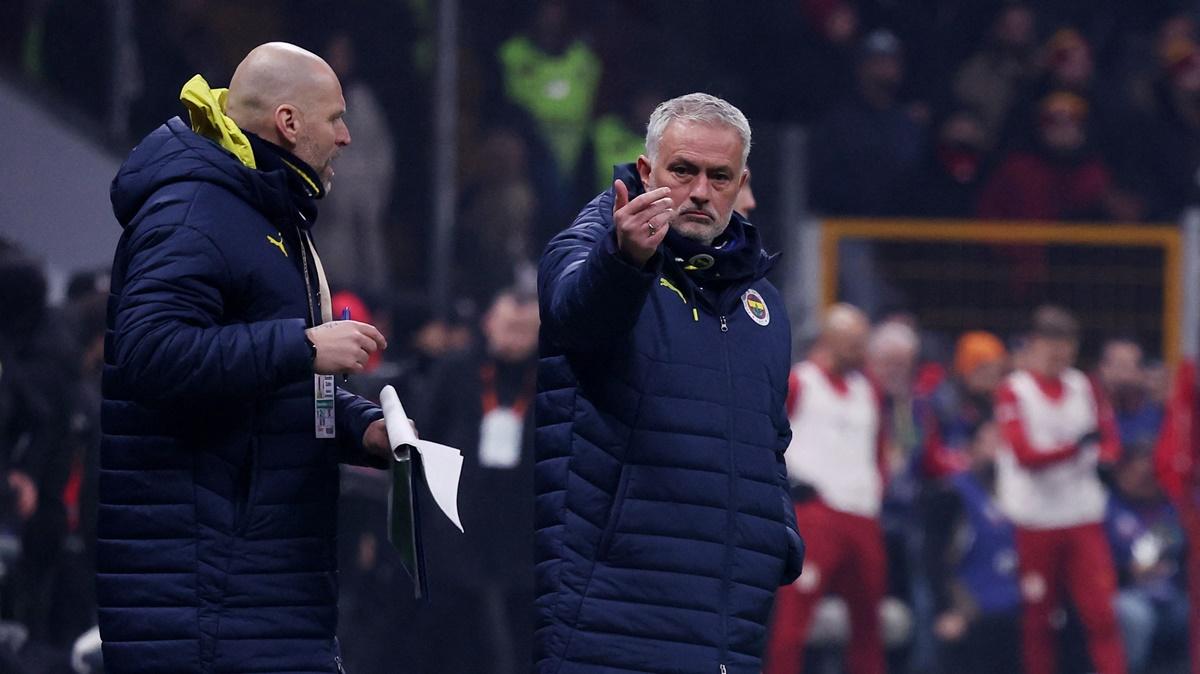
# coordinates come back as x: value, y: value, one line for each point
x: 756, y: 307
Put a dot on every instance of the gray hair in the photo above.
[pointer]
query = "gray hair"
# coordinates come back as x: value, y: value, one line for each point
x: 894, y: 335
x: 697, y: 107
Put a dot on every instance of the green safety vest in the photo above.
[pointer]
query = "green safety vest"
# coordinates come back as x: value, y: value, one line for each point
x: 613, y: 143
x: 558, y: 91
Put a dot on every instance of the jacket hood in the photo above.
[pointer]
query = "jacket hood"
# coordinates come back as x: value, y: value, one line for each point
x: 174, y: 153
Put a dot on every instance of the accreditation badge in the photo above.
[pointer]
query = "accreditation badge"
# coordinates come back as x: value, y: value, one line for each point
x: 324, y: 396
x: 500, y: 439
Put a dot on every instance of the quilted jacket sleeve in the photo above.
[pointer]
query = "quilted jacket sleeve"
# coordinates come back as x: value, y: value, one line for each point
x: 795, y: 559
x: 354, y: 413
x: 169, y: 341
x: 589, y: 294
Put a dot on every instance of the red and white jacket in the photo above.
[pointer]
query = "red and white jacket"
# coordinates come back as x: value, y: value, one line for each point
x: 836, y: 444
x: 1045, y: 480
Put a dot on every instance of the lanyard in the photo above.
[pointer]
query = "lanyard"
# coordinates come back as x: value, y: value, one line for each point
x: 323, y: 295
x: 490, y: 400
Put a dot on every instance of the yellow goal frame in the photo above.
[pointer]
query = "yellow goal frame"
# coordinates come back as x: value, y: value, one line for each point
x: 1166, y: 237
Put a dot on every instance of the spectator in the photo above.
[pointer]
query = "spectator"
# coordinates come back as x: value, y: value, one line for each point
x: 553, y: 74
x: 990, y: 82
x: 618, y: 137
x: 953, y: 174
x: 1141, y: 60
x: 891, y: 364
x: 866, y: 151
x: 1122, y: 376
x: 1148, y: 548
x: 1068, y: 62
x: 36, y: 375
x: 865, y: 158
x: 807, y: 46
x: 72, y: 601
x: 970, y: 553
x: 1060, y: 178
x: 497, y: 242
x: 835, y: 468
x: 1169, y: 155
x: 1057, y: 431
x: 964, y: 402
x: 355, y: 231
x: 481, y: 402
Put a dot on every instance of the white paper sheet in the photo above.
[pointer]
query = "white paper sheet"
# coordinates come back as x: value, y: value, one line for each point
x: 442, y: 464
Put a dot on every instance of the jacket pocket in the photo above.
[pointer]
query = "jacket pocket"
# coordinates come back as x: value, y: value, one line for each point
x: 614, y: 514
x: 244, y: 489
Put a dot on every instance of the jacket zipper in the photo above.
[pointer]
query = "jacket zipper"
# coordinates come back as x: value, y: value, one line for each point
x: 726, y: 571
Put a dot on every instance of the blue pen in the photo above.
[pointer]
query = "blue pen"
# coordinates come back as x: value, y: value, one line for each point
x: 345, y: 317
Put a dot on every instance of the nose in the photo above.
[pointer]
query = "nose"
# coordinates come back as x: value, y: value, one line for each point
x: 343, y: 138
x: 701, y: 190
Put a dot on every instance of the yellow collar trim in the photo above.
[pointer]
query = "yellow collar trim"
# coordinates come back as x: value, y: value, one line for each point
x: 316, y: 190
x: 206, y: 113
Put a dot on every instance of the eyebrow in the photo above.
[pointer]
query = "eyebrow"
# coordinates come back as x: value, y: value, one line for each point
x: 691, y: 166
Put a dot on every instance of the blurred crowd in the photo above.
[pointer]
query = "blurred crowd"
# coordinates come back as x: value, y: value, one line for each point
x: 1054, y: 110
x: 1051, y: 110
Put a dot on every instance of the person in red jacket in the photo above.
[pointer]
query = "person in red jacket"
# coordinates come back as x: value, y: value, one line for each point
x: 1060, y: 178
x: 1058, y: 431
x: 1175, y: 459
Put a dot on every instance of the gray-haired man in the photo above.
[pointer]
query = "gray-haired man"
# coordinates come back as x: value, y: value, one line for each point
x: 664, y: 521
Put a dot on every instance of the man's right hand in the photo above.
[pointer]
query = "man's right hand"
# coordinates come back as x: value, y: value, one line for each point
x: 641, y: 223
x: 343, y: 347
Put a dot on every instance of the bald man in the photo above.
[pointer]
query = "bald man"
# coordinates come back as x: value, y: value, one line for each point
x: 223, y: 426
x: 835, y: 468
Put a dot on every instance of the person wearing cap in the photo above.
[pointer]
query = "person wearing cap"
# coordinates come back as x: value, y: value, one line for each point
x: 962, y: 402
x: 1058, y: 432
x: 867, y: 151
x: 866, y: 156
x: 1060, y: 178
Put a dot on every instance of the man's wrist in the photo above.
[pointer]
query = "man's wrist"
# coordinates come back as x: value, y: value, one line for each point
x: 312, y: 347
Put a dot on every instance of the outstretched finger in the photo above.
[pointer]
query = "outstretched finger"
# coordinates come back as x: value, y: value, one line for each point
x: 649, y: 199
x: 622, y: 195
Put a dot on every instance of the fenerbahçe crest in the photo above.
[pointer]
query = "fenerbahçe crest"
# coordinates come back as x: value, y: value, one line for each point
x: 756, y: 307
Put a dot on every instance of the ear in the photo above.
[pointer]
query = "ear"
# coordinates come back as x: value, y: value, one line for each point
x: 287, y: 123
x: 643, y: 169
x: 745, y: 178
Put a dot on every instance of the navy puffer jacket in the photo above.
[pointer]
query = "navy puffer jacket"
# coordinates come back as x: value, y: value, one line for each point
x: 664, y: 524
x: 217, y: 517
